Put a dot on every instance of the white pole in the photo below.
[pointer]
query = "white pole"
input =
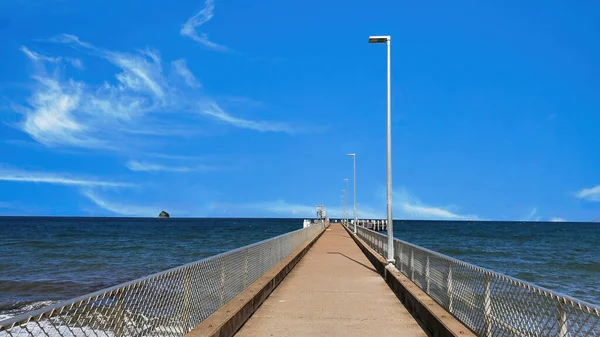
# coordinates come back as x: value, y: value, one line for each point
x: 355, y: 221
x: 390, y: 225
x: 342, y: 209
x: 346, y: 202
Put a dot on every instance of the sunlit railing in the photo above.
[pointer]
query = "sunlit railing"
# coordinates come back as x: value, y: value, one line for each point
x: 169, y: 303
x: 489, y: 303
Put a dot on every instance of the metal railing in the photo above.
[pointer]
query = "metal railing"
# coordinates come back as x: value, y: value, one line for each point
x: 168, y: 303
x: 489, y: 303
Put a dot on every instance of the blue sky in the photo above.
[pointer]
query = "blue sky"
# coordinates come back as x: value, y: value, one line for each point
x: 237, y: 108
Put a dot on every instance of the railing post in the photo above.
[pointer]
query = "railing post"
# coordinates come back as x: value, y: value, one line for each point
x: 412, y: 264
x: 246, y: 270
x: 449, y: 288
x: 401, y: 259
x: 187, y: 300
x: 280, y: 249
x: 120, y: 316
x: 487, y: 306
x: 222, y: 284
x: 562, y: 321
x: 427, y: 274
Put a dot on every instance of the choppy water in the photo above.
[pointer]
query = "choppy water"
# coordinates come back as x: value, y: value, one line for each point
x: 561, y: 256
x: 50, y: 259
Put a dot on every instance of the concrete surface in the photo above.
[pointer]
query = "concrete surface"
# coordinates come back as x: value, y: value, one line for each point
x: 437, y: 321
x: 333, y: 291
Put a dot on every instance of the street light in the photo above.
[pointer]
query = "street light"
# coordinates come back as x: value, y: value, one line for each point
x: 346, y: 208
x: 353, y: 155
x: 342, y: 208
x: 390, y: 220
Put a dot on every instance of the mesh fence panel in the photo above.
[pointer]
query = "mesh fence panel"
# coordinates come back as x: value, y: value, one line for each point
x: 169, y: 303
x: 489, y: 303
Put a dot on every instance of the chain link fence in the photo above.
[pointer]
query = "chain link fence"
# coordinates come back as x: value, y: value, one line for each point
x: 489, y: 303
x: 169, y: 303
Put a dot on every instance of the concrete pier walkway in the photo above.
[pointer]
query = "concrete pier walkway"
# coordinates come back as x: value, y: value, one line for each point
x: 333, y: 291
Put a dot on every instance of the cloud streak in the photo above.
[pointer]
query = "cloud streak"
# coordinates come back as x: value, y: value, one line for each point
x: 214, y: 111
x: 180, y: 68
x: 589, y: 194
x: 37, y: 57
x: 532, y: 215
x: 55, y: 179
x: 189, y: 28
x: 121, y: 208
x: 280, y: 207
x: 277, y: 207
x: 412, y: 207
x: 557, y: 220
x: 137, y: 166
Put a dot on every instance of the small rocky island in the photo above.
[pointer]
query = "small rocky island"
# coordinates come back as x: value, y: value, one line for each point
x: 164, y: 214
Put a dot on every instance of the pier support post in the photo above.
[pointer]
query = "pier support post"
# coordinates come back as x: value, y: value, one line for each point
x: 487, y: 306
x: 449, y: 288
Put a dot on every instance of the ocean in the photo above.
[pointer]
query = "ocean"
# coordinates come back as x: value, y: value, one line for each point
x: 44, y: 260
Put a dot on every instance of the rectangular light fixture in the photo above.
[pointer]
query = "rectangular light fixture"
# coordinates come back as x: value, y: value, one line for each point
x: 378, y: 39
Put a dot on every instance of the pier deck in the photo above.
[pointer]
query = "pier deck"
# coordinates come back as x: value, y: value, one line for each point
x: 333, y: 291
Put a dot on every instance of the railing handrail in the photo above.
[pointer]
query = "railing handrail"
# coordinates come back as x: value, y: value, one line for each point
x: 27, y: 316
x: 560, y: 296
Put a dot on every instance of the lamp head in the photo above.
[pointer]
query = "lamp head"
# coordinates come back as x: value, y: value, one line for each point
x: 379, y: 39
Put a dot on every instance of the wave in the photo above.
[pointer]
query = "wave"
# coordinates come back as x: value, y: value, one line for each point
x: 454, y: 252
x: 46, y: 288
x: 12, y: 309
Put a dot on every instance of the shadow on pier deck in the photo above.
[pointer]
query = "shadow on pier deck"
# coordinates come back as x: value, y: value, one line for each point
x: 335, y: 290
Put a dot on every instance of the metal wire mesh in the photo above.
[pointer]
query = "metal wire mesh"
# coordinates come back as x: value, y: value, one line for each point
x: 489, y: 303
x: 169, y: 303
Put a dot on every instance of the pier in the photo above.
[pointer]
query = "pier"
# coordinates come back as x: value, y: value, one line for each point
x: 378, y: 225
x: 333, y: 291
x: 321, y: 280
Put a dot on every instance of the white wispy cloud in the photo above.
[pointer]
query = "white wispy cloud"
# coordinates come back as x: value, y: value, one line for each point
x: 137, y: 166
x: 589, y: 194
x: 181, y: 69
x: 56, y: 179
x: 280, y: 207
x: 284, y: 208
x: 203, y: 16
x: 213, y: 110
x: 409, y: 205
x: 174, y: 156
x: 121, y: 208
x: 366, y: 212
x: 277, y: 207
x: 5, y: 205
x: 532, y: 215
x: 557, y: 220
x: 139, y: 101
x: 37, y: 57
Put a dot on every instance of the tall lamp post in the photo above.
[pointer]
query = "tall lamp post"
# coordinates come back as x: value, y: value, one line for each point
x: 342, y: 208
x: 353, y: 155
x: 390, y: 220
x: 346, y: 207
